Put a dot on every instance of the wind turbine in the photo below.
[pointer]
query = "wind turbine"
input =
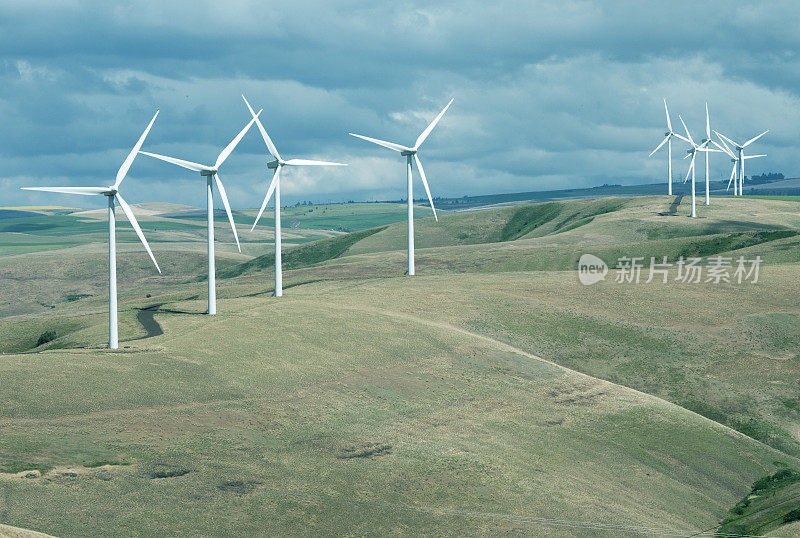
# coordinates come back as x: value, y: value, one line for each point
x: 722, y: 149
x: 275, y: 186
x: 112, y: 193
x: 734, y: 170
x: 211, y: 174
x: 409, y: 153
x: 693, y: 153
x: 741, y: 157
x: 668, y: 141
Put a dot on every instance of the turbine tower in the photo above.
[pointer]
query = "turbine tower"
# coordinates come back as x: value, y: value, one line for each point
x: 668, y: 141
x: 692, y: 152
x: 211, y: 175
x: 275, y: 186
x: 112, y: 193
x: 411, y: 153
x: 739, y: 148
x: 705, y: 142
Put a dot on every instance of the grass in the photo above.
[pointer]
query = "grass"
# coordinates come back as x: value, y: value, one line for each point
x: 350, y: 217
x: 364, y: 402
x: 774, y: 197
x: 771, y: 503
x: 103, y: 463
x: 527, y: 219
x: 13, y: 467
x: 363, y: 409
x: 302, y: 256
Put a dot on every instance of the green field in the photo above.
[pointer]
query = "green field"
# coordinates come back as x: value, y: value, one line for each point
x: 492, y: 393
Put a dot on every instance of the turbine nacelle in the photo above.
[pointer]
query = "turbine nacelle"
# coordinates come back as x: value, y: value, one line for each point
x: 208, y: 172
x: 272, y: 165
x: 408, y: 152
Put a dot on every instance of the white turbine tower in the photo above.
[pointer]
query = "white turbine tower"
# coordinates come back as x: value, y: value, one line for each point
x: 112, y: 193
x: 275, y: 186
x: 692, y: 152
x: 705, y: 142
x: 668, y: 141
x: 409, y: 153
x: 211, y: 174
x: 739, y: 148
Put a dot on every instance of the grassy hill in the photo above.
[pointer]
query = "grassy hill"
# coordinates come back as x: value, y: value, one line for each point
x: 492, y: 393
x: 332, y: 414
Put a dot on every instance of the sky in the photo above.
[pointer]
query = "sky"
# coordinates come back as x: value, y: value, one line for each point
x: 548, y: 94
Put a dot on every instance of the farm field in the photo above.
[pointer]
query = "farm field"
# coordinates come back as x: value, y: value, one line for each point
x: 491, y: 393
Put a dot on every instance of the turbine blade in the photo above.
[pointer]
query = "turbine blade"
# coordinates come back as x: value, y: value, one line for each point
x: 425, y: 184
x: 384, y: 143
x: 754, y: 139
x: 728, y: 150
x: 224, y: 197
x: 86, y: 191
x: 733, y: 173
x: 267, y: 140
x: 306, y: 162
x: 129, y: 213
x: 180, y: 162
x: 275, y: 179
x: 233, y: 143
x: 691, y: 167
x: 669, y: 123
x: 132, y: 155
x: 676, y: 135
x: 421, y: 138
x: 708, y: 124
x: 722, y: 149
x: 658, y: 147
x: 754, y: 156
x: 688, y: 134
x: 725, y: 139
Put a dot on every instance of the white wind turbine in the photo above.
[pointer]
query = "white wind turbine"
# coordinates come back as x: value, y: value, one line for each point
x: 211, y: 172
x: 692, y: 152
x: 706, y: 141
x: 735, y: 169
x: 410, y: 153
x: 739, y: 148
x: 275, y: 186
x: 112, y: 193
x: 668, y: 141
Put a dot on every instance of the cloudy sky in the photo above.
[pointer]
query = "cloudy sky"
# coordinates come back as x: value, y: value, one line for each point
x: 548, y: 94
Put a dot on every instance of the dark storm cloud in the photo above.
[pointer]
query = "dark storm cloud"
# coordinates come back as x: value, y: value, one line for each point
x: 548, y: 94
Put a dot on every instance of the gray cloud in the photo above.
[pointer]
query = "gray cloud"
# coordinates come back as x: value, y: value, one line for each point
x: 548, y: 94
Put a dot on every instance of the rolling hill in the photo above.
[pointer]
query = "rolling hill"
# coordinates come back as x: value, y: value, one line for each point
x: 492, y: 393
